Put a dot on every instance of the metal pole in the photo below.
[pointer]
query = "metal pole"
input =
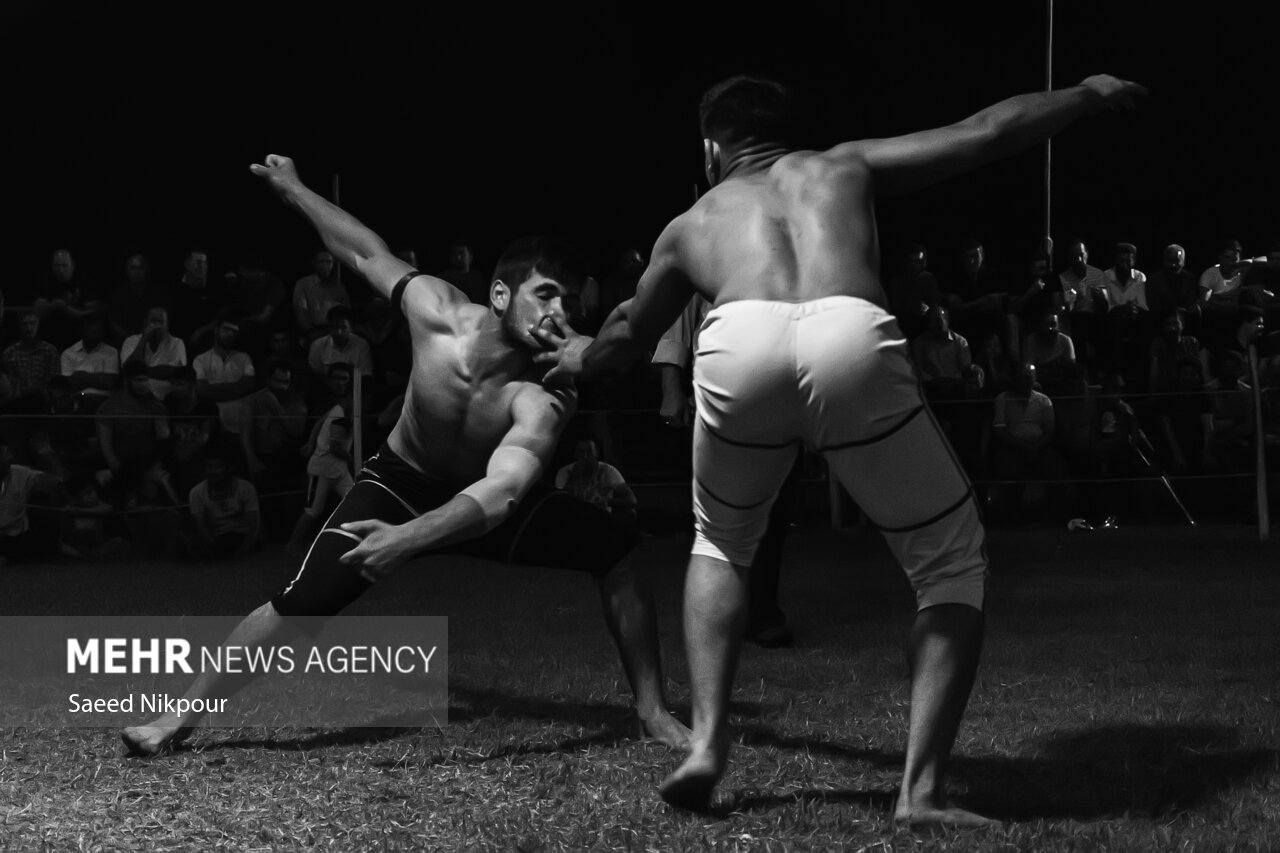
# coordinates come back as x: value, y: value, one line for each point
x: 1048, y: 144
x: 1260, y: 449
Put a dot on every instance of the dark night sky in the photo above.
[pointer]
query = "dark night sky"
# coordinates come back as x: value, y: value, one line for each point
x: 131, y: 126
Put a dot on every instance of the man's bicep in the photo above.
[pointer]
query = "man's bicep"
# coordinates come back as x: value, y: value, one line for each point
x: 538, y: 418
x: 915, y: 160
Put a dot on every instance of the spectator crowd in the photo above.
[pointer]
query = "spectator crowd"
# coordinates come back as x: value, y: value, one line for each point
x: 188, y: 412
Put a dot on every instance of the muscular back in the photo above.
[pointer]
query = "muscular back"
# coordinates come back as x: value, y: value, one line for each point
x: 801, y: 229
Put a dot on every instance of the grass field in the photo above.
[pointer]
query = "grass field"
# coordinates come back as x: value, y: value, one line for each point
x: 1128, y: 700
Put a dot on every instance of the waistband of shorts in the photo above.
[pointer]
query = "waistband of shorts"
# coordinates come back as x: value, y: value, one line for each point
x: 386, y: 463
x: 794, y: 310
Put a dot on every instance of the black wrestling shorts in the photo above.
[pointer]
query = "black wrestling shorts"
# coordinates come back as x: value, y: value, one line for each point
x: 549, y: 529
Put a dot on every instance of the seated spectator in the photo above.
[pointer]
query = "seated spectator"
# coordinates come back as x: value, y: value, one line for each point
x: 328, y: 473
x: 224, y: 374
x: 1126, y: 284
x: 92, y: 364
x: 1041, y: 296
x: 912, y: 290
x: 390, y: 345
x: 65, y: 300
x: 224, y: 510
x: 1084, y: 298
x: 131, y: 425
x: 84, y: 526
x: 1185, y: 421
x: 31, y: 362
x: 1050, y: 351
x: 316, y: 294
x: 1168, y: 349
x: 153, y: 518
x: 282, y: 347
x: 1022, y: 429
x: 471, y: 282
x: 275, y: 420
x: 194, y: 425
x: 942, y: 356
x: 127, y: 309
x: 57, y: 438
x: 256, y: 296
x: 979, y: 298
x: 336, y: 390
x: 194, y: 302
x: 21, y: 540
x: 160, y: 351
x: 340, y: 345
x: 598, y: 483
x: 1173, y: 286
x: 1220, y: 283
x: 997, y: 366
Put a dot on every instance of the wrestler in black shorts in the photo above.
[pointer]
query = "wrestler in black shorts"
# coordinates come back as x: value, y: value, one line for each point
x: 549, y: 529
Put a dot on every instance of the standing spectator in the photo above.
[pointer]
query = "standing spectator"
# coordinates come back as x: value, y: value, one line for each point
x: 315, y: 294
x: 1127, y: 328
x: 912, y: 290
x: 92, y: 364
x: 1084, y: 297
x: 598, y: 483
x: 31, y: 362
x: 193, y: 303
x: 340, y: 345
x: 160, y: 351
x: 460, y: 274
x: 193, y: 424
x: 224, y: 374
x: 1041, y: 296
x: 131, y: 425
x: 20, y: 540
x: 129, y: 303
x: 1173, y: 285
x: 224, y: 510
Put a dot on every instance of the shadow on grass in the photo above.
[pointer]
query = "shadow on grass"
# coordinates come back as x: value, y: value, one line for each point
x: 1135, y: 771
x: 609, y: 725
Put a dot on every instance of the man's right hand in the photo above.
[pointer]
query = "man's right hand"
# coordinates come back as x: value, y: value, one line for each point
x: 279, y: 172
x: 1116, y: 94
x: 676, y: 410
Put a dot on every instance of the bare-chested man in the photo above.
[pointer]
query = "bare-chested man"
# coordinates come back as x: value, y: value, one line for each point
x: 460, y: 471
x: 799, y: 348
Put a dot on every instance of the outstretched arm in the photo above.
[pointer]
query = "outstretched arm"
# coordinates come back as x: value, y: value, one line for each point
x: 633, y: 328
x: 351, y: 241
x: 515, y: 465
x: 904, y: 163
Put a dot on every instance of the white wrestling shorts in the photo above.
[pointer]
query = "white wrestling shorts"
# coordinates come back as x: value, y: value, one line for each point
x: 832, y: 374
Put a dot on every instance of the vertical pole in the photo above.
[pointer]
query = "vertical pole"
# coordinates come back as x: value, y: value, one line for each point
x: 357, y: 418
x: 337, y: 201
x: 1048, y: 144
x: 1260, y: 449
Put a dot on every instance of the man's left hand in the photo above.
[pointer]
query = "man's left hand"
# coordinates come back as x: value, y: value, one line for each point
x: 383, y: 547
x: 563, y: 351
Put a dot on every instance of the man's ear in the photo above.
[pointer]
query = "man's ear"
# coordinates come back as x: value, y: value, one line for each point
x: 711, y: 161
x: 499, y: 296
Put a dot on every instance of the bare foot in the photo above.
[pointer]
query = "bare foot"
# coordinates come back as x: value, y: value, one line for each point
x: 690, y: 786
x: 150, y: 741
x: 665, y: 729
x: 949, y: 815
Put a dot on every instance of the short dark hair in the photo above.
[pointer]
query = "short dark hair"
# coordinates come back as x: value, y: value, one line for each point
x: 745, y: 108
x: 547, y: 256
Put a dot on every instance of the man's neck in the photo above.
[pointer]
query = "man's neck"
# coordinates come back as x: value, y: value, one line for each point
x: 752, y: 159
x: 221, y: 351
x: 493, y: 354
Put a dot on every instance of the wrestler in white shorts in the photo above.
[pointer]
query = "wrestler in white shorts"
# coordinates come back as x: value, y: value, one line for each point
x: 834, y: 375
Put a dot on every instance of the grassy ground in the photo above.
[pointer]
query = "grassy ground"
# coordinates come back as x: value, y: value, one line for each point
x: 1127, y: 701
